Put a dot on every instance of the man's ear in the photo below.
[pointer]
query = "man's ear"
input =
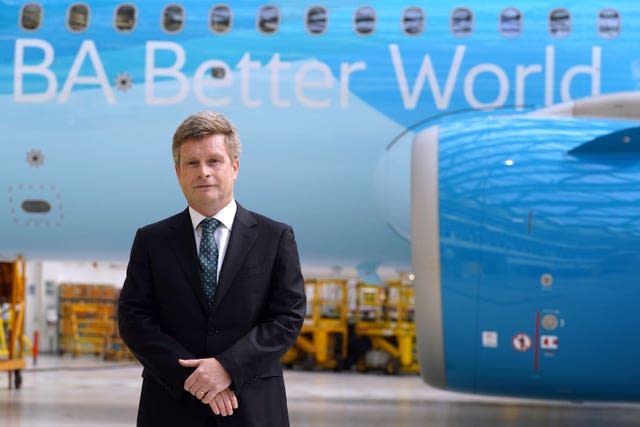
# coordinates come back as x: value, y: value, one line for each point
x: 236, y: 167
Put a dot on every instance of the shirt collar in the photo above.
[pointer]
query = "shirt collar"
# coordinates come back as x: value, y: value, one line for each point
x: 224, y: 215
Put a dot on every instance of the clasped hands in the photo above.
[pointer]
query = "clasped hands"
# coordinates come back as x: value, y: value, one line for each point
x: 210, y: 384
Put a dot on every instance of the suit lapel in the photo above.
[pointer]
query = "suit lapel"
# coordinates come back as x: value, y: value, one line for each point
x: 243, y: 234
x: 183, y: 244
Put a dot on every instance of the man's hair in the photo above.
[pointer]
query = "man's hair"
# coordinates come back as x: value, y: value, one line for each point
x: 203, y: 124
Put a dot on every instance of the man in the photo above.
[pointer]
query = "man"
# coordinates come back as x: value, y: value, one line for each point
x: 210, y: 306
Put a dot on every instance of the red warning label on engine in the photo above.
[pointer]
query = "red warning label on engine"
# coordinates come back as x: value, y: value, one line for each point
x: 549, y: 342
x: 521, y: 342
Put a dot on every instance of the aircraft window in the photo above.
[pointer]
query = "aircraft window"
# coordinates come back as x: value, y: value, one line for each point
x: 78, y: 17
x: 31, y: 16
x: 511, y: 22
x: 173, y: 18
x: 125, y: 17
x: 560, y: 23
x: 461, y: 21
x: 220, y: 19
x: 609, y: 23
x: 413, y: 21
x: 268, y: 19
x: 365, y: 20
x: 316, y: 20
x: 218, y: 72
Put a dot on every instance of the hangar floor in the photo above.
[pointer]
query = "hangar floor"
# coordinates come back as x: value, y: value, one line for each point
x: 88, y: 392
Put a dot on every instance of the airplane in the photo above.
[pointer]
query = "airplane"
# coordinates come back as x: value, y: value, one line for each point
x: 489, y: 148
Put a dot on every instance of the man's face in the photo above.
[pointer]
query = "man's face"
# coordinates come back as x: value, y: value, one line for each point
x: 207, y: 174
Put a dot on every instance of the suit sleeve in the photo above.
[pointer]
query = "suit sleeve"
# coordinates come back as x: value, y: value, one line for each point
x: 139, y: 327
x: 265, y: 344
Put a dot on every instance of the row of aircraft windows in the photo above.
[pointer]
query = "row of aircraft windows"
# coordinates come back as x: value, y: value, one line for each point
x: 268, y: 20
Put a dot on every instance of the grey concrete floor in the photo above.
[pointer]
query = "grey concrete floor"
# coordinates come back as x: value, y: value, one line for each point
x: 89, y: 392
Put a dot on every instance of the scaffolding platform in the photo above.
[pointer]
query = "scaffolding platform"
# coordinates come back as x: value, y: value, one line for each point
x: 87, y: 328
x: 12, y: 307
x: 385, y: 315
x: 323, y: 338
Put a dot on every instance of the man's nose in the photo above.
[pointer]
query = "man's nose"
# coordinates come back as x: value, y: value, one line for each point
x: 205, y: 170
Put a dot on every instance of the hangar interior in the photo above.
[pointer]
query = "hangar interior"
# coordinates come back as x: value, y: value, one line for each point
x: 69, y: 368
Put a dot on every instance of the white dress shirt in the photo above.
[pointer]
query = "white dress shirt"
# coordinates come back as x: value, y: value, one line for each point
x: 226, y: 216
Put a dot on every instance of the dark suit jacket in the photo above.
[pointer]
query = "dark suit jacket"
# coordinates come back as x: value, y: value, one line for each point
x: 257, y: 313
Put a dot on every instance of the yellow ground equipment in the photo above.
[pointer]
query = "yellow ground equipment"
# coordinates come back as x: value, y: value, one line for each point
x: 12, y: 307
x: 88, y: 323
x: 323, y: 339
x: 118, y: 350
x: 385, y: 314
x: 87, y: 328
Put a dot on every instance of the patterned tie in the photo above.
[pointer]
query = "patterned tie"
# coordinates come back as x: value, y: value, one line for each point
x: 209, y: 257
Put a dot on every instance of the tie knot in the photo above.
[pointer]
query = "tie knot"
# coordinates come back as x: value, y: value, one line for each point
x: 209, y: 225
